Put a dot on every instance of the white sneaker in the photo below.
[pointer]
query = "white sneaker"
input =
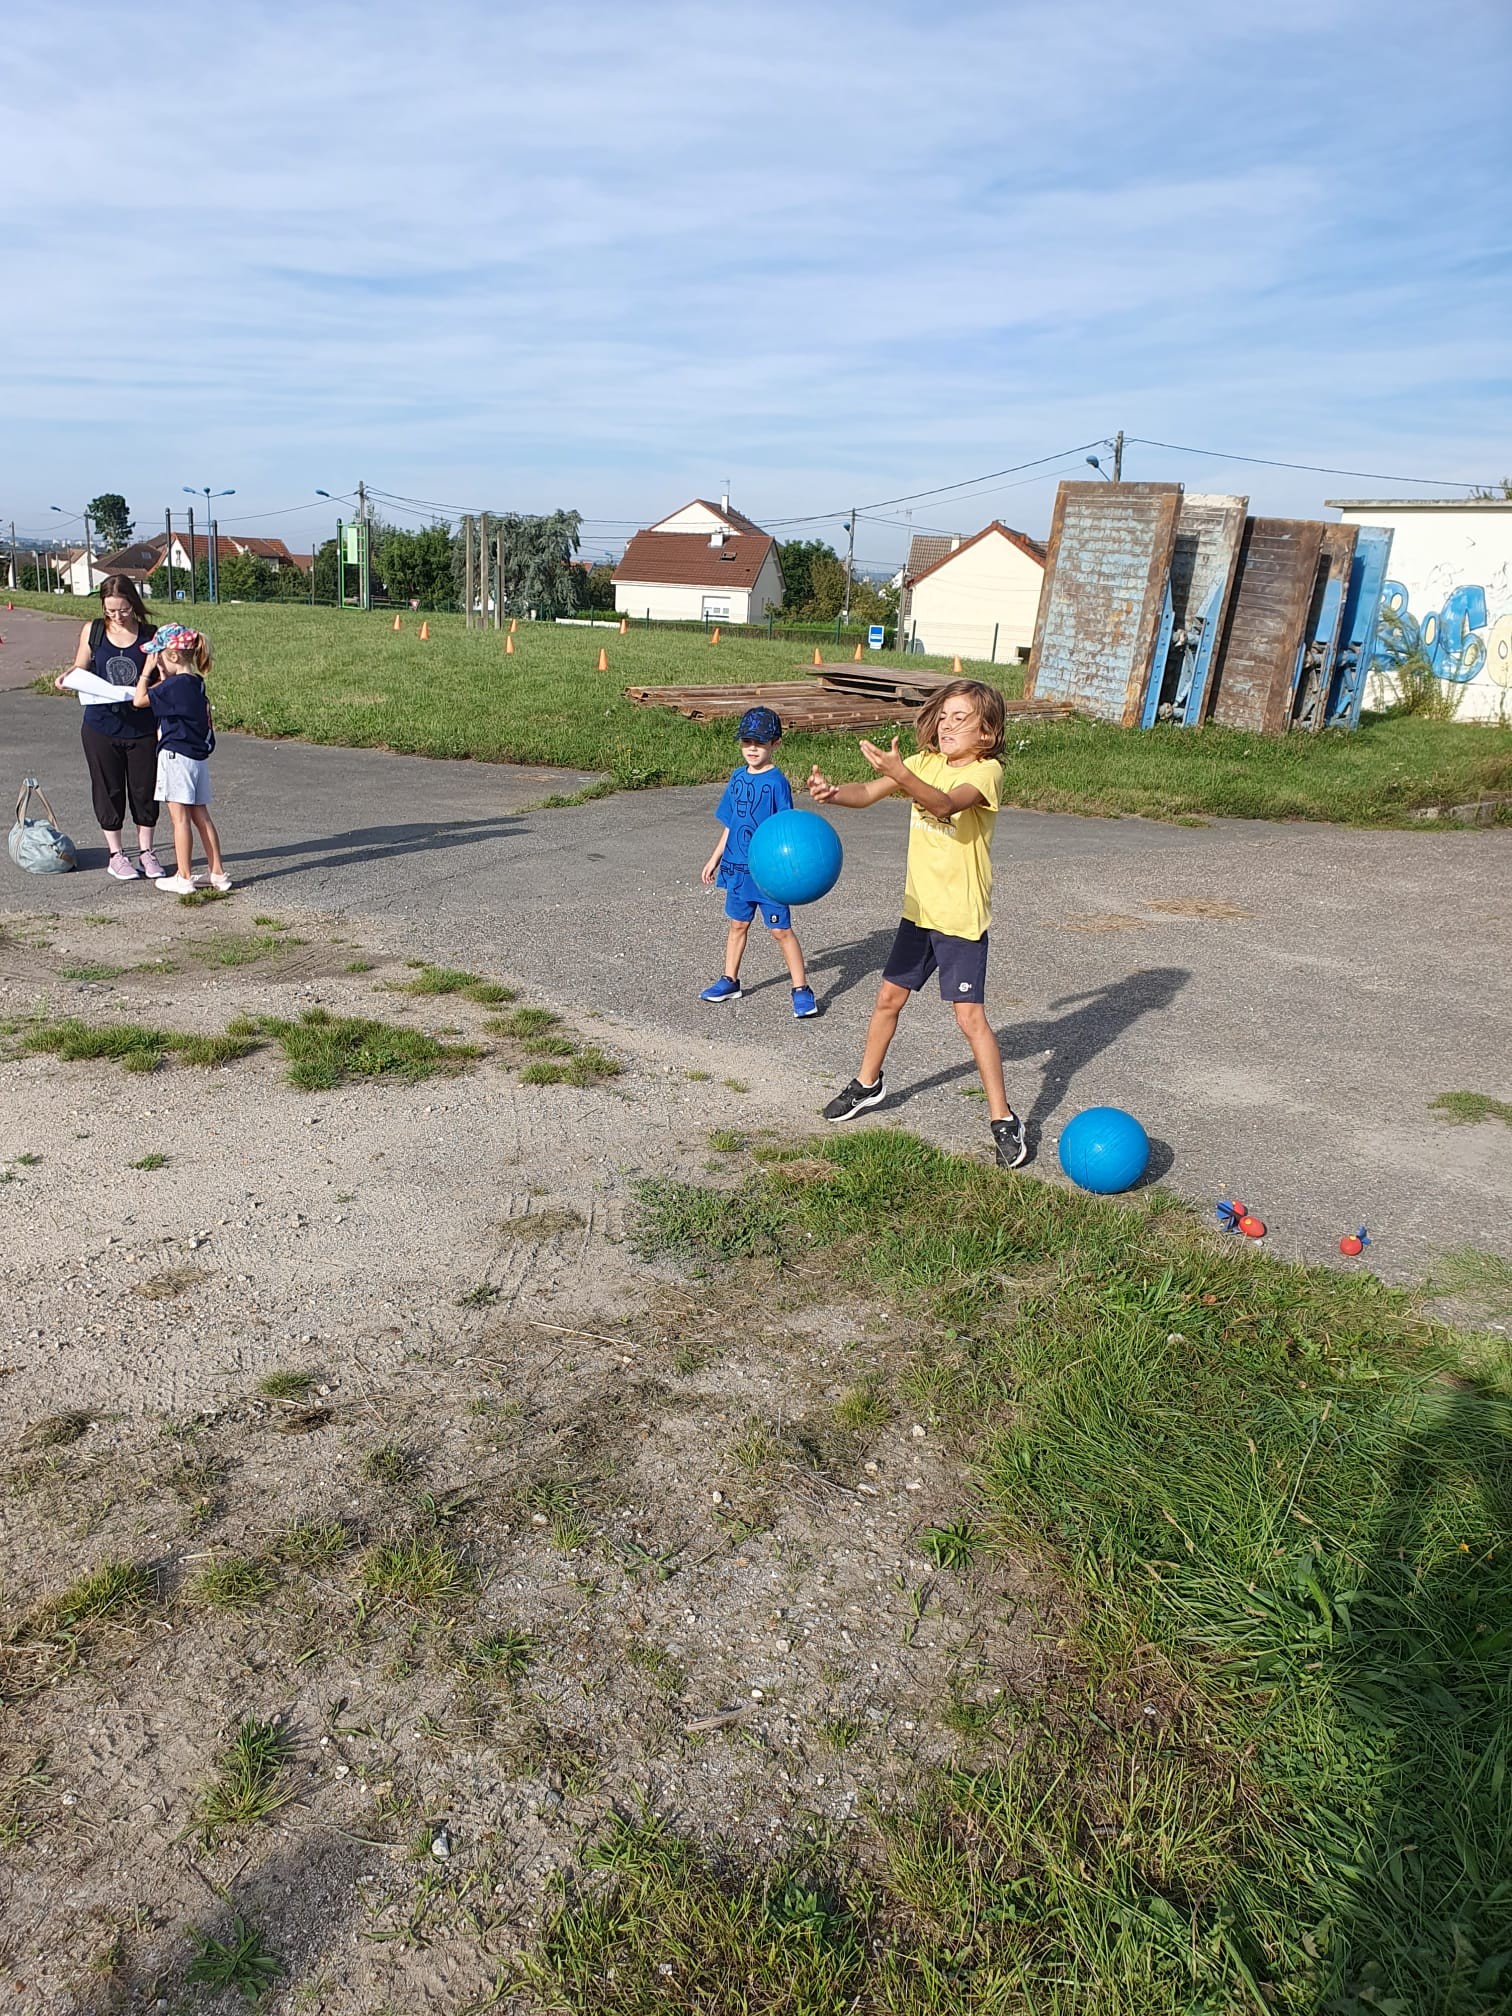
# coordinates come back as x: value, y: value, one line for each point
x: 221, y: 882
x: 176, y: 885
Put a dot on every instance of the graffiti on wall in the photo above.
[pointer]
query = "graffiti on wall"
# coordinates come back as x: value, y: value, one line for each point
x: 1450, y: 638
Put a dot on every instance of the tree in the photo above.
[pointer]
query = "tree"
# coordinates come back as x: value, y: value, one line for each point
x: 538, y: 572
x: 797, y: 558
x: 112, y: 522
x: 598, y: 586
x: 244, y: 577
x: 326, y: 573
x: 290, y: 584
x: 416, y: 566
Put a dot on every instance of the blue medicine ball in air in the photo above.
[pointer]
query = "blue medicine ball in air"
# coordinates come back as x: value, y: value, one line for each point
x: 795, y: 857
x: 1104, y: 1150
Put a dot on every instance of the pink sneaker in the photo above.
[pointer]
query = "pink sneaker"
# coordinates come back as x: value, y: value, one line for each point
x: 122, y: 869
x: 151, y: 867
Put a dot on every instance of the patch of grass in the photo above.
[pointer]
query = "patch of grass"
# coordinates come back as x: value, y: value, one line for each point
x: 312, y: 1543
x: 570, y: 1532
x: 358, y: 966
x: 658, y: 1664
x: 196, y: 899
x: 391, y: 1464
x: 698, y: 1077
x: 736, y: 1085
x: 482, y: 1296
x: 56, y: 1431
x: 549, y: 1046
x: 287, y: 1385
x: 414, y: 1570
x: 91, y: 972
x: 449, y: 980
x: 542, y: 1224
x: 1275, y: 1500
x: 726, y: 1141
x: 234, y: 1582
x: 239, y: 1961
x: 250, y: 1782
x: 864, y: 1409
x: 1481, y: 1278
x: 134, y: 1045
x: 154, y: 1159
x: 841, y: 1732
x: 508, y: 1653
x: 589, y: 1067
x: 691, y: 1222
x: 953, y: 1545
x: 1462, y: 1109
x: 523, y: 1022
x: 26, y: 1161
x: 325, y: 1050
x: 110, y: 1590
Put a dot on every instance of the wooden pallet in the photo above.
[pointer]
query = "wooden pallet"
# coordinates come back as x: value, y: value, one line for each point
x: 820, y: 703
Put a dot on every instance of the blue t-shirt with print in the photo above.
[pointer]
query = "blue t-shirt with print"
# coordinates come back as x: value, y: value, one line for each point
x: 182, y: 714
x: 749, y: 798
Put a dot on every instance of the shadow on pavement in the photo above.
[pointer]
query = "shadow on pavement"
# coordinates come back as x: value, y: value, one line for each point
x: 369, y: 843
x: 1095, y: 1022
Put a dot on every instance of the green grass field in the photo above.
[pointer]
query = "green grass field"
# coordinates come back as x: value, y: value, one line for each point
x: 1269, y: 1506
x: 323, y: 675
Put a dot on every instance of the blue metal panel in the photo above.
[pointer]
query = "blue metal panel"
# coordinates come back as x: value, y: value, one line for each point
x: 1197, y: 664
x: 1362, y: 608
x: 1158, y: 662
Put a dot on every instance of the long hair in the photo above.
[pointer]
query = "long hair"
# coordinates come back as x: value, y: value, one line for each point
x: 123, y: 586
x: 989, y: 706
x: 199, y: 653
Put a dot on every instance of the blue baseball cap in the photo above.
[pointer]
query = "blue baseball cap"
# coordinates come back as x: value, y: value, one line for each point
x: 760, y: 724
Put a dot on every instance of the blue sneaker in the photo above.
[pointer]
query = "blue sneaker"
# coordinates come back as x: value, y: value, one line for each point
x: 804, y: 1002
x: 724, y: 989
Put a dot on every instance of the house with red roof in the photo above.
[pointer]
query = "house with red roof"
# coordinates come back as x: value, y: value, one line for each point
x: 704, y: 563
x: 977, y: 599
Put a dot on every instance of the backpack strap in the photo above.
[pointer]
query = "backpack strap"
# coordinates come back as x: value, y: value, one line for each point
x: 96, y: 632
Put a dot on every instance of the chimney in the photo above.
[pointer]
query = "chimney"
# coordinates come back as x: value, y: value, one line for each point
x: 724, y: 502
x: 717, y: 538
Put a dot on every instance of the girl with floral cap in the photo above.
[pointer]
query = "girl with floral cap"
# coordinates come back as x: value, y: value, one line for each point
x: 179, y: 658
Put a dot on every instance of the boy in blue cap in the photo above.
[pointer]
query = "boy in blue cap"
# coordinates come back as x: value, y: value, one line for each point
x: 755, y: 791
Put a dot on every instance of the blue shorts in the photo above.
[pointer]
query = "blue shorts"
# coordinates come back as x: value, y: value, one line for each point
x: 961, y: 962
x: 743, y: 901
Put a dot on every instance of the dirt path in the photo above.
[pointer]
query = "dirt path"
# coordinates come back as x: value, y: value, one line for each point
x: 34, y: 643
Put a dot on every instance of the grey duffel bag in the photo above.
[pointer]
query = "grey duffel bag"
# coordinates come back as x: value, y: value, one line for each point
x: 36, y: 844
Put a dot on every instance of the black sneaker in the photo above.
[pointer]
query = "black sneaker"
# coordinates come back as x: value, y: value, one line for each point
x: 854, y: 1099
x: 1008, y: 1138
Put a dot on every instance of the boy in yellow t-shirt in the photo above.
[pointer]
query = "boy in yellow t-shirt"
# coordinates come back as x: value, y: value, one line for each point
x: 954, y: 783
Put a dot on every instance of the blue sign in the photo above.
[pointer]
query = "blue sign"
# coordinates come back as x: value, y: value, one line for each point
x: 874, y: 636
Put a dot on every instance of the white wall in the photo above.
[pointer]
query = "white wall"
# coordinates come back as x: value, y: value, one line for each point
x: 1453, y: 568
x: 692, y: 518
x: 767, y: 591
x: 953, y: 610
x: 670, y: 603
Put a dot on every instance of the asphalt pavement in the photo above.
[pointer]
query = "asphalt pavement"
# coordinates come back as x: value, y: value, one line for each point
x: 1287, y: 1052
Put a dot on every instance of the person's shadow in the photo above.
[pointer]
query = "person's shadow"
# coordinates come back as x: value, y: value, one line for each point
x: 1421, y: 1672
x: 1092, y: 1023
x: 363, y: 844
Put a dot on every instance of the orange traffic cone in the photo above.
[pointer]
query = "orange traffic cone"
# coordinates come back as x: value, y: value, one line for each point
x: 397, y: 624
x: 624, y: 625
x: 715, y: 638
x: 817, y: 659
x: 858, y: 654
x: 512, y: 623
x: 956, y: 667
x: 509, y: 647
x: 425, y: 633
x: 603, y: 664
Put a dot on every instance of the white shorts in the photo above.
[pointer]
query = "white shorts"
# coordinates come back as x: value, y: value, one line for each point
x: 182, y: 780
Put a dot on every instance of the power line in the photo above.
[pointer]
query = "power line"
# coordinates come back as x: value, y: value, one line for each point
x: 1312, y: 468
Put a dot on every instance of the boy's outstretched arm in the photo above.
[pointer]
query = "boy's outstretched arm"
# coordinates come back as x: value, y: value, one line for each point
x: 711, y: 866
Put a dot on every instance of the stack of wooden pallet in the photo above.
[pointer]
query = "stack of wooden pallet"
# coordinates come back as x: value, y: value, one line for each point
x: 840, y: 697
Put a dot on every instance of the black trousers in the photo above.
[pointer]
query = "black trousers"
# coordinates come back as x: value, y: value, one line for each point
x: 119, y: 769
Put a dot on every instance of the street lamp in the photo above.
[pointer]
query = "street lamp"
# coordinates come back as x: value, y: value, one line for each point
x: 88, y: 551
x: 212, y: 572
x: 1093, y: 463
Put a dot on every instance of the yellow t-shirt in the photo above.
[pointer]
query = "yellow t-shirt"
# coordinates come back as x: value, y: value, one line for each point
x: 949, y: 885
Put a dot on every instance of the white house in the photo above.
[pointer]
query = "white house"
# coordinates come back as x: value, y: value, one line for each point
x: 77, y: 570
x: 1450, y: 580
x: 703, y: 563
x: 979, y: 598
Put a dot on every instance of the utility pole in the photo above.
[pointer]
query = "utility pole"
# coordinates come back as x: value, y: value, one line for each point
x: 850, y: 561
x: 364, y: 584
x: 168, y: 550
x: 483, y: 557
x: 467, y: 570
x: 499, y: 580
x: 193, y: 570
x: 1118, y: 439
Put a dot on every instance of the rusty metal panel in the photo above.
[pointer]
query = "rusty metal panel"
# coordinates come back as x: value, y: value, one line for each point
x: 1103, y: 599
x: 1206, y: 558
x: 1315, y: 673
x: 1267, y: 624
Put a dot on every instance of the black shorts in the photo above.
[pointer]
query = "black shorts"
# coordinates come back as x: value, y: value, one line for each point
x: 961, y: 962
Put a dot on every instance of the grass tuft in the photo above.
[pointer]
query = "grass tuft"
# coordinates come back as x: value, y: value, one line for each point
x: 154, y: 1159
x: 238, y: 1961
x: 449, y: 980
x: 234, y: 1582
x: 1466, y: 1109
x: 414, y: 1570
x: 135, y: 1046
x: 286, y: 1385
x: 249, y: 1783
x: 325, y: 1050
x: 108, y: 1591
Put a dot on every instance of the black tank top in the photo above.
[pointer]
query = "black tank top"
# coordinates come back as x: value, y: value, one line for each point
x: 120, y: 665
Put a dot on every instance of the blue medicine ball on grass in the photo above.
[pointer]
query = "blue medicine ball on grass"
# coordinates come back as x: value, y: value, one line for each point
x: 1104, y: 1150
x: 795, y: 857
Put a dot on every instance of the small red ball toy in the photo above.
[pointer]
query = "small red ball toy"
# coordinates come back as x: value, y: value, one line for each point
x: 1354, y: 1242
x: 1252, y: 1228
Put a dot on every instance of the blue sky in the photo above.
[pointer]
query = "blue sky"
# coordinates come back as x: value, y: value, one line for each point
x: 608, y: 257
